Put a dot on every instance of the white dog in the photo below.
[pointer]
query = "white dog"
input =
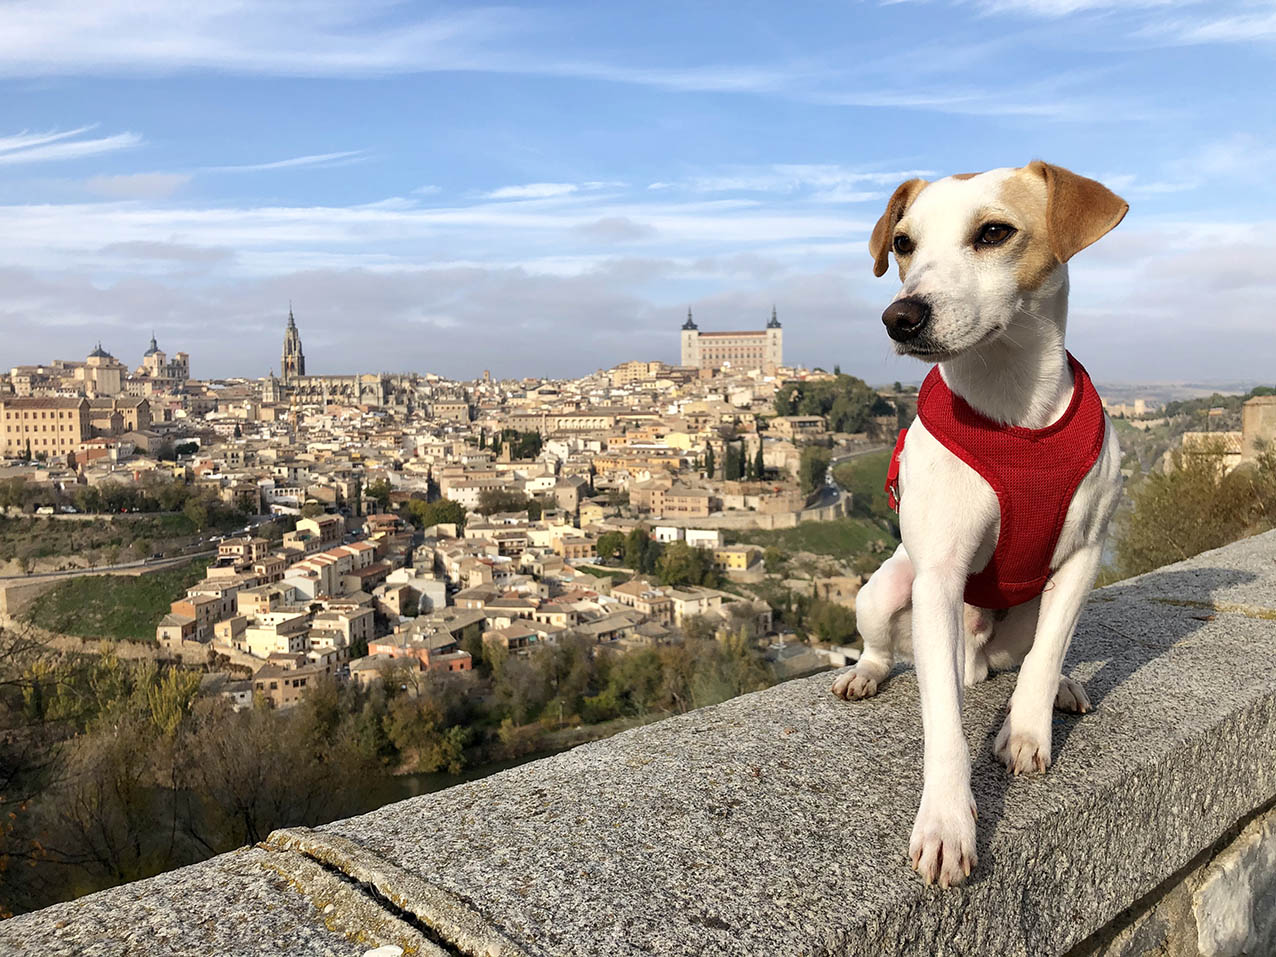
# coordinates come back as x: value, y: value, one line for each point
x: 1009, y: 439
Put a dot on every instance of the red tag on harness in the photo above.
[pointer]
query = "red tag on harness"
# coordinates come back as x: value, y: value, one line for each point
x: 892, y: 473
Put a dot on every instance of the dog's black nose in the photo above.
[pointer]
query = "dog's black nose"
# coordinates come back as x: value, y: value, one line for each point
x: 905, y: 318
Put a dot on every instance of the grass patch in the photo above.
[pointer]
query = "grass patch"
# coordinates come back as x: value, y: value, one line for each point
x: 619, y: 574
x: 865, y: 478
x: 117, y: 607
x: 842, y: 538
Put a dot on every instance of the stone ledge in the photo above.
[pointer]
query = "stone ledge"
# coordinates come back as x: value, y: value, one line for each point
x: 777, y: 823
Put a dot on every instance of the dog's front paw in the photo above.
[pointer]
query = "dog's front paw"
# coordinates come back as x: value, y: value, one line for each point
x: 1071, y: 696
x: 1022, y: 749
x: 856, y: 683
x: 942, y: 847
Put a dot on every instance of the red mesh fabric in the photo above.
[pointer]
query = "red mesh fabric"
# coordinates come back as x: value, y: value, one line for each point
x: 1035, y: 473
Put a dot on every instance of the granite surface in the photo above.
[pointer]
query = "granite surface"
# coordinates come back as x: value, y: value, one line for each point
x: 778, y: 823
x: 229, y: 905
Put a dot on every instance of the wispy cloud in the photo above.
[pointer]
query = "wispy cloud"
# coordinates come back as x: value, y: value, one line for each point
x: 1236, y: 28
x: 26, y: 139
x: 823, y: 182
x: 533, y: 191
x: 322, y: 160
x: 349, y: 38
x: 55, y: 146
x: 286, y: 37
x: 1063, y: 8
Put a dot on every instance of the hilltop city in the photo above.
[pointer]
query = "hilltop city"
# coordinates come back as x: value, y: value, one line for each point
x: 387, y: 519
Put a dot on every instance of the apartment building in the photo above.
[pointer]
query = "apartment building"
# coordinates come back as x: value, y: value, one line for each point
x: 53, y: 426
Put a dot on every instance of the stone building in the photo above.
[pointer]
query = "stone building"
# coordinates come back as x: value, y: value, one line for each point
x: 1258, y: 425
x: 292, y: 365
x: 160, y: 370
x: 55, y: 426
x: 741, y: 350
x: 102, y: 373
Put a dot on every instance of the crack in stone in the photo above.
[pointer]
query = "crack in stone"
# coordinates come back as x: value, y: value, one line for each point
x: 445, y: 919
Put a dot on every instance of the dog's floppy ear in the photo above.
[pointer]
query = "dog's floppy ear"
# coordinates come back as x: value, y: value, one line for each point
x: 1079, y: 211
x: 879, y: 244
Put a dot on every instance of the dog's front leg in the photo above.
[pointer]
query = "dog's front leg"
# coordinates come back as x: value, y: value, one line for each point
x: 942, y: 846
x: 1023, y: 743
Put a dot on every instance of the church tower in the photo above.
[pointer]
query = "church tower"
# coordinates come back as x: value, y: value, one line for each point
x: 293, y: 363
x: 774, y: 344
x: 690, y: 343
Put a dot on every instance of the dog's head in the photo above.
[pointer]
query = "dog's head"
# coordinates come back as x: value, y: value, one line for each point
x: 977, y: 250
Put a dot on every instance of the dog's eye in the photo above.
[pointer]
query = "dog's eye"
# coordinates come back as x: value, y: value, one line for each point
x: 903, y: 245
x: 994, y: 234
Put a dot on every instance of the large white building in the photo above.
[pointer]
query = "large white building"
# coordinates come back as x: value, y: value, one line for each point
x: 742, y: 351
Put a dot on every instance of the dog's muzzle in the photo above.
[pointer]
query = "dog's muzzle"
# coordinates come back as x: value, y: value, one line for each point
x: 906, y: 318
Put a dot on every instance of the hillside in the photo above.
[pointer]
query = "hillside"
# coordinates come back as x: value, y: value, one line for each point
x: 119, y: 607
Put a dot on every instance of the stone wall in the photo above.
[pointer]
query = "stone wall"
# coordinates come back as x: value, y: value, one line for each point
x: 777, y: 823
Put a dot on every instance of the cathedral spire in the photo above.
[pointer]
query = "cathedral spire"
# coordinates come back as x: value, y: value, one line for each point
x: 774, y: 323
x: 690, y: 323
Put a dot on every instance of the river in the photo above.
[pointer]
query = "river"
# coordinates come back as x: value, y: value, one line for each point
x: 400, y: 787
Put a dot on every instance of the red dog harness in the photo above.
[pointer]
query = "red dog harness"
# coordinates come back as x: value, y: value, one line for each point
x: 1035, y: 473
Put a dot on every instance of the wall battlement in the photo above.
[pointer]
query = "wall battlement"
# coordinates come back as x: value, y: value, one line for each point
x: 777, y: 824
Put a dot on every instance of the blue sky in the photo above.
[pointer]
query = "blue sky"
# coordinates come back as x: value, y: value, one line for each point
x: 545, y: 189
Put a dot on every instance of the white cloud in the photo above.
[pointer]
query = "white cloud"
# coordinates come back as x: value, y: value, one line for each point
x: 54, y: 146
x: 26, y: 139
x: 137, y: 185
x: 1063, y: 8
x: 533, y: 191
x: 315, y: 159
x: 1239, y: 28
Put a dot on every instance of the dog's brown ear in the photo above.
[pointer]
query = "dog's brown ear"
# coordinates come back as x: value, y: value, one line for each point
x: 1079, y: 211
x: 879, y: 244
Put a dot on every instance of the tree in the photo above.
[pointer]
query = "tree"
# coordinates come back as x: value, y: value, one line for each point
x: 831, y: 622
x: 759, y: 466
x: 311, y: 510
x: 847, y: 402
x: 493, y: 500
x: 812, y: 467
x: 610, y: 544
x: 683, y: 564
x: 197, y: 511
x: 442, y: 512
x: 735, y: 463
x: 239, y: 432
x: 379, y: 491
x: 775, y: 560
x: 1193, y: 506
x: 710, y: 466
x: 637, y: 545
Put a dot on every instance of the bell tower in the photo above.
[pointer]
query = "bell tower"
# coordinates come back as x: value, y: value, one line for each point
x: 690, y: 343
x: 293, y: 363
